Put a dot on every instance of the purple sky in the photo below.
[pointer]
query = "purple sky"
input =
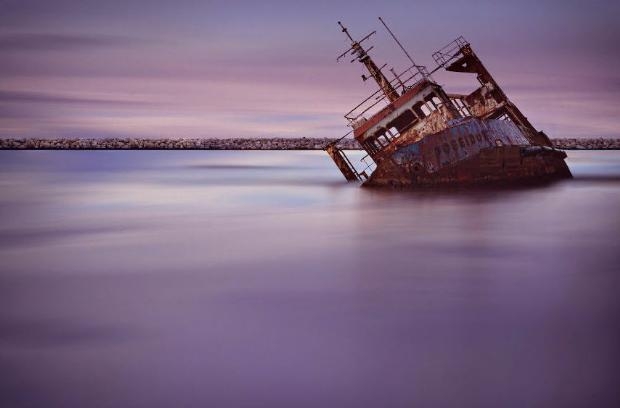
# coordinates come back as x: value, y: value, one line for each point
x: 189, y: 68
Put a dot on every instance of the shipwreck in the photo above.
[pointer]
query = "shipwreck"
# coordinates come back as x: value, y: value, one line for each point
x: 415, y: 134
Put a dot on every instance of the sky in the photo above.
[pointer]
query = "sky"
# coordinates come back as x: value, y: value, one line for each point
x: 194, y: 69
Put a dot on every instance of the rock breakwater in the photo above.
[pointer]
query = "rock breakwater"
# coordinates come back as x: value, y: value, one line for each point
x: 587, y: 144
x: 237, y: 144
x: 174, y: 144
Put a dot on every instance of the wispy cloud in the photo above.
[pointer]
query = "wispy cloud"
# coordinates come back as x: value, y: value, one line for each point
x: 47, y: 98
x: 61, y: 42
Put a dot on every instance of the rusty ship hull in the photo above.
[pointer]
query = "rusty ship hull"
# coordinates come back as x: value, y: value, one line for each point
x: 415, y: 134
x: 471, y: 152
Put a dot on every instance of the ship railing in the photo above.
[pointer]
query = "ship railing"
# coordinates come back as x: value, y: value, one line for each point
x: 369, y: 168
x: 409, y: 78
x: 446, y: 54
x: 367, y: 163
x: 358, y: 175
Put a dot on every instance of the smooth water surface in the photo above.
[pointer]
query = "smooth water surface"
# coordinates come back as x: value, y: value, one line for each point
x: 262, y: 279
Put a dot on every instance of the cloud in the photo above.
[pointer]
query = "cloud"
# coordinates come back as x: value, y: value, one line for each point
x: 61, y: 42
x: 46, y: 98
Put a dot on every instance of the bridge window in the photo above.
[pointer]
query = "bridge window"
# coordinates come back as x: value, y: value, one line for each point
x: 417, y: 109
x: 432, y: 102
x: 393, y: 132
x: 461, y: 107
x: 383, y: 137
x: 403, y: 122
x: 377, y: 136
x: 425, y: 109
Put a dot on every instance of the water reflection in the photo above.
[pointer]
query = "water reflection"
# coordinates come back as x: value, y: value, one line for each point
x: 262, y: 279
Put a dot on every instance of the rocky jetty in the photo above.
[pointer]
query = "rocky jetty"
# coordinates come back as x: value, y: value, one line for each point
x: 587, y: 144
x: 237, y: 144
x: 175, y: 144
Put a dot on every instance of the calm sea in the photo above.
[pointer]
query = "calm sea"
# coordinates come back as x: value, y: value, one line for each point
x: 262, y: 279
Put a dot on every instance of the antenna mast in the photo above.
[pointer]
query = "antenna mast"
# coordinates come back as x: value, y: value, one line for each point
x: 421, y: 69
x: 362, y: 56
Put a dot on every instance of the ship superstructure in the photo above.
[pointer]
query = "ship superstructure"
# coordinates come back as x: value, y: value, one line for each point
x: 416, y: 134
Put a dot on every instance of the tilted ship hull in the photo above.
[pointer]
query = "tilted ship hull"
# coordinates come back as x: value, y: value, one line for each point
x: 426, y: 137
x: 471, y: 152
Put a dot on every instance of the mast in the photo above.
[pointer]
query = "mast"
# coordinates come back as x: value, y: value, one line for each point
x: 421, y: 69
x: 362, y: 56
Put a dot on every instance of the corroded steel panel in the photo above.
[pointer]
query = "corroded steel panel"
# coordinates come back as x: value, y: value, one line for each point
x: 427, y: 137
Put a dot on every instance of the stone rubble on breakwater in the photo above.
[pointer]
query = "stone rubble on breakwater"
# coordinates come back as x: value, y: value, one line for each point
x: 587, y: 144
x: 175, y: 144
x: 238, y: 144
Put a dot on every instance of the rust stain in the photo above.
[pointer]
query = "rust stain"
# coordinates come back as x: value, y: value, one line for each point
x: 424, y: 136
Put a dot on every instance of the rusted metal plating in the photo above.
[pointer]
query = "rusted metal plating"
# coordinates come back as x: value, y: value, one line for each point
x: 425, y: 136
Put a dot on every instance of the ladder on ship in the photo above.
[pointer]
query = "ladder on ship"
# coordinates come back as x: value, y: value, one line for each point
x: 344, y: 164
